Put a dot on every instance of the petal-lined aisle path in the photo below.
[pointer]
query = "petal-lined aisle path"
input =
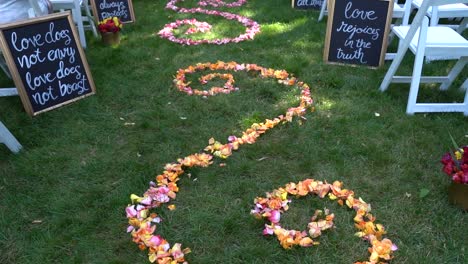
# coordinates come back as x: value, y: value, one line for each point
x: 143, y: 222
x: 142, y: 215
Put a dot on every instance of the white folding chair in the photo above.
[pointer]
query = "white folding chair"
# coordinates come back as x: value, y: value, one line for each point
x: 6, y: 137
x: 436, y: 43
x: 454, y: 10
x: 75, y: 6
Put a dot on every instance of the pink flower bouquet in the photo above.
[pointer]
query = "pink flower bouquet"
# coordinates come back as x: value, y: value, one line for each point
x: 456, y: 165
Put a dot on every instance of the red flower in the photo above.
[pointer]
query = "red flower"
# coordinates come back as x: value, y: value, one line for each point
x: 456, y: 165
x: 457, y: 177
x: 446, y: 158
x: 449, y: 167
x: 465, y: 155
x: 464, y: 168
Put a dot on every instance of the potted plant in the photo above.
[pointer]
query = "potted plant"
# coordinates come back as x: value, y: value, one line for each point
x: 110, y: 30
x: 456, y: 167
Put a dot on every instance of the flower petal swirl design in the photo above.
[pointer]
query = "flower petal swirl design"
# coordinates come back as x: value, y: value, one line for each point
x: 141, y: 218
x: 142, y: 213
x: 252, y: 27
x: 277, y: 202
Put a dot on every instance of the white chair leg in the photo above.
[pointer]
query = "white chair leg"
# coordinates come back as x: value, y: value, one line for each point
x: 90, y: 18
x: 4, y: 68
x: 397, y: 58
x: 463, y: 25
x: 322, y: 10
x: 454, y: 73
x: 464, y: 86
x: 8, y: 139
x: 391, y: 34
x: 434, y: 16
x: 465, y: 101
x: 415, y: 82
x: 76, y: 13
x: 417, y: 68
x: 3, y: 65
x: 403, y: 48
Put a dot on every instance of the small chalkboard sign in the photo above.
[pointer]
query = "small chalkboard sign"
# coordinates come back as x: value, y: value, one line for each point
x: 123, y: 9
x: 357, y: 32
x: 307, y: 4
x: 46, y: 61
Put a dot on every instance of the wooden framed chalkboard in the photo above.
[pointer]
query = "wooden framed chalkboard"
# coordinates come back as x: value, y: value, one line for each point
x: 46, y: 61
x: 357, y: 32
x: 123, y: 9
x: 307, y: 4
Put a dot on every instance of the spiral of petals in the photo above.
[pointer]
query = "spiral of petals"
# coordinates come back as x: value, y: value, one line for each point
x: 161, y: 191
x: 276, y: 202
x: 252, y: 27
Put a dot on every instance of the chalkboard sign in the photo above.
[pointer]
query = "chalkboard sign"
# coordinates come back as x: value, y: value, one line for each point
x: 357, y: 31
x: 46, y: 61
x: 123, y: 9
x: 307, y: 4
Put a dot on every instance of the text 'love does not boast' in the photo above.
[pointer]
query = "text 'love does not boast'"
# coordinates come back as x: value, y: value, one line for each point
x: 49, y: 63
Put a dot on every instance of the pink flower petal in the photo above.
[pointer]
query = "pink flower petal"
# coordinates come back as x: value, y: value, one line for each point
x: 131, y: 212
x: 275, y: 216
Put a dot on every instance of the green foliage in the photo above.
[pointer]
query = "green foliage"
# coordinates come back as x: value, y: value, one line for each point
x: 81, y: 162
x: 423, y: 193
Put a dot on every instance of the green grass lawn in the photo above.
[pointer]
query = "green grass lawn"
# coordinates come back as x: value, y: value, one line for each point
x: 81, y: 162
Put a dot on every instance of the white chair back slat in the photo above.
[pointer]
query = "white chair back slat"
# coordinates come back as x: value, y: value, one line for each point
x: 444, y: 9
x: 446, y: 2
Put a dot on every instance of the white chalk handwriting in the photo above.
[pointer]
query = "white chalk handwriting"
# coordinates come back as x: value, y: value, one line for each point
x: 48, y: 64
